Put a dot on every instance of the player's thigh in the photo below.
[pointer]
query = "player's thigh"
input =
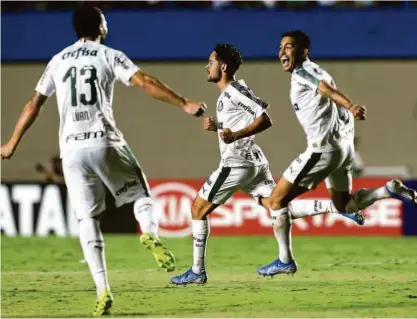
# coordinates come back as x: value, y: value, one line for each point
x: 122, y: 174
x: 283, y: 193
x: 339, y: 182
x: 85, y: 189
x: 340, y: 179
x: 224, y: 182
x: 262, y: 185
x: 310, y: 169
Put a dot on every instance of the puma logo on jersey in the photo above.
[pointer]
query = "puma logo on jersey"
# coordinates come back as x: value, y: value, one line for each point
x: 120, y: 62
x: 80, y: 51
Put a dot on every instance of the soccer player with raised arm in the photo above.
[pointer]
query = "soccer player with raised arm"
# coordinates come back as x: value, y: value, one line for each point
x: 327, y: 117
x: 243, y: 165
x: 93, y: 151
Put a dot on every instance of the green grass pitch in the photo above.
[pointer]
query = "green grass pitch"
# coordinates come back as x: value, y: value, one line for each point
x: 337, y: 277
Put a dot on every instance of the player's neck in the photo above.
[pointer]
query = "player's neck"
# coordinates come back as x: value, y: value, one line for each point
x: 224, y: 83
x: 85, y: 39
x: 299, y: 63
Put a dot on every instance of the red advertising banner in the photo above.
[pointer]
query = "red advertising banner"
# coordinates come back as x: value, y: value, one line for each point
x: 242, y: 216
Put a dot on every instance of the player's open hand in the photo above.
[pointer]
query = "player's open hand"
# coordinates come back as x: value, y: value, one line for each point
x: 195, y: 108
x: 210, y: 123
x: 7, y: 150
x: 358, y: 111
x: 227, y: 136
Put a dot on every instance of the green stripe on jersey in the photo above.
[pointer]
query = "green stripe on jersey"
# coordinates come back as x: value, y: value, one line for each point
x: 307, y: 76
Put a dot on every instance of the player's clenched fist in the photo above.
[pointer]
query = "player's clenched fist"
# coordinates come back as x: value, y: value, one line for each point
x: 227, y: 136
x: 358, y: 111
x: 210, y: 124
x: 195, y: 108
x: 7, y: 150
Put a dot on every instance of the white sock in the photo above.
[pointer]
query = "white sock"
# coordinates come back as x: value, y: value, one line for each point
x: 92, y: 244
x: 281, y: 224
x: 305, y: 207
x: 365, y: 197
x: 145, y: 214
x: 201, y: 230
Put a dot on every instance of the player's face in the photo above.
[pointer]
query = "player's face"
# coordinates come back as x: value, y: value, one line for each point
x: 287, y: 54
x: 103, y: 29
x: 213, y: 68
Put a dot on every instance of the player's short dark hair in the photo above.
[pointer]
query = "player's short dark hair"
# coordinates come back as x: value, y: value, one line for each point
x: 229, y: 55
x: 86, y: 21
x: 300, y: 37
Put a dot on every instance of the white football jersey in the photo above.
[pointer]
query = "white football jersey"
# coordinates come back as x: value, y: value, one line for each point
x: 325, y: 124
x: 237, y: 108
x: 83, y: 76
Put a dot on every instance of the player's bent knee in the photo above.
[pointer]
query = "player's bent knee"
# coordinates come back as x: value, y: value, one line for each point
x: 197, y: 210
x: 275, y: 203
x: 200, y: 208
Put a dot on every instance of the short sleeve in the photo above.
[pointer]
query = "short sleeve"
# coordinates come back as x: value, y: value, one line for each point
x: 46, y: 84
x: 123, y: 67
x: 248, y: 100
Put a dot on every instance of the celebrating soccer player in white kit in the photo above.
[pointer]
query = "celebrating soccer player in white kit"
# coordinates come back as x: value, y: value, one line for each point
x: 94, y: 152
x: 327, y: 117
x: 243, y: 166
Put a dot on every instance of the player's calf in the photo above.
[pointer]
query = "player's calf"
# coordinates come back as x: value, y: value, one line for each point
x: 364, y: 197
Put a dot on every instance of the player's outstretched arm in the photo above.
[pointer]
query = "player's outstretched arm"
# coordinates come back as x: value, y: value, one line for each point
x: 259, y: 125
x: 358, y: 111
x: 26, y: 118
x: 160, y: 91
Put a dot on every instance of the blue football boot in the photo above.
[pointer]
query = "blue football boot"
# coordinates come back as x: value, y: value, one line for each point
x: 278, y: 267
x: 189, y: 277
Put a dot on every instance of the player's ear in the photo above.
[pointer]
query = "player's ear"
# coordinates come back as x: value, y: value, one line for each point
x: 306, y: 52
x: 224, y: 67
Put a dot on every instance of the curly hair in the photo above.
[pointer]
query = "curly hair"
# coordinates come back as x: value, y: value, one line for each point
x: 228, y: 54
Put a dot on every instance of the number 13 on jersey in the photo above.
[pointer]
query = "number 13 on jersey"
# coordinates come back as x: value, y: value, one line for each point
x: 89, y: 74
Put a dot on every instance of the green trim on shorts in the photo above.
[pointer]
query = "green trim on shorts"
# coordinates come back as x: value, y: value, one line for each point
x: 219, y: 182
x: 141, y: 177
